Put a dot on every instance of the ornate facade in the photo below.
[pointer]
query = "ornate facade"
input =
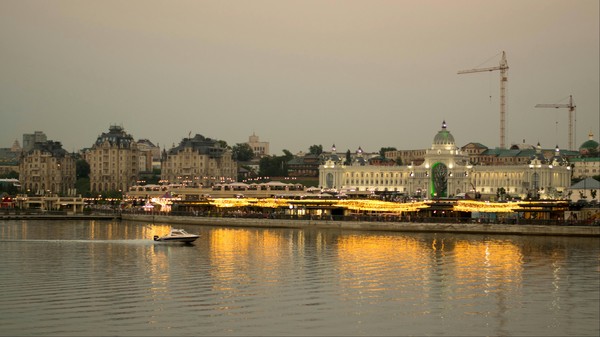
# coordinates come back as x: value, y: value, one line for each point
x: 114, y: 161
x: 47, y: 169
x: 447, y: 172
x: 198, y: 161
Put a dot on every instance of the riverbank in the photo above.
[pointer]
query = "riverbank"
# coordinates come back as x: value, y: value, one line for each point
x: 472, y: 228
x: 42, y: 216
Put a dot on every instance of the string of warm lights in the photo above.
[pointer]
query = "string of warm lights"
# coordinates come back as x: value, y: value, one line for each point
x: 356, y: 205
x: 229, y: 202
x: 381, y: 206
x: 485, y: 206
x: 368, y: 205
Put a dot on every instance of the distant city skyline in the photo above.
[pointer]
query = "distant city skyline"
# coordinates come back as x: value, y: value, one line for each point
x: 324, y: 147
x: 366, y: 74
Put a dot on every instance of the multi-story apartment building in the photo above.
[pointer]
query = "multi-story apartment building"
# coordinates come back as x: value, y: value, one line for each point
x: 47, y: 169
x: 114, y: 161
x: 149, y: 155
x: 29, y: 139
x: 198, y: 161
x: 260, y: 149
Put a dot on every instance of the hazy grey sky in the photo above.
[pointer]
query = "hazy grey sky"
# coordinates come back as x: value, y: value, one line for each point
x: 296, y: 73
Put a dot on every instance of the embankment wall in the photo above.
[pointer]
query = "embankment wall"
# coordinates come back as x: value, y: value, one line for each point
x: 475, y: 228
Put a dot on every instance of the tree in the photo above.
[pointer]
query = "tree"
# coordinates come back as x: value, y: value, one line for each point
x: 10, y: 175
x: 348, y: 158
x: 287, y: 154
x: 275, y: 166
x: 222, y: 144
x: 268, y: 166
x: 383, y: 150
x: 501, y: 194
x: 82, y: 173
x: 82, y: 185
x: 82, y: 169
x: 7, y: 187
x: 315, y: 149
x: 242, y: 152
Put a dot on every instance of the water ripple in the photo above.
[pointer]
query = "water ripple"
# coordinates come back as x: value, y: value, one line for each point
x: 292, y: 282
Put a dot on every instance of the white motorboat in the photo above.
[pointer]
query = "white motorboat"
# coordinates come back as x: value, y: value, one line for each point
x: 177, y: 235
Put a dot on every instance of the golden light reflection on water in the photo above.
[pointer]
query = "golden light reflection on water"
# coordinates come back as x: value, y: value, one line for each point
x: 493, y: 262
x: 373, y: 265
x: 158, y: 261
x: 235, y: 279
x: 234, y: 251
x: 228, y: 256
x: 376, y: 267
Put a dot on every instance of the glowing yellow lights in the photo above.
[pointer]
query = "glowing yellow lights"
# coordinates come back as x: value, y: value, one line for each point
x: 355, y: 205
x: 165, y: 203
x: 379, y: 206
x: 229, y: 202
x: 483, y: 206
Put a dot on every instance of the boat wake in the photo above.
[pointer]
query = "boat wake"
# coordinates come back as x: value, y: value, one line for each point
x: 129, y: 242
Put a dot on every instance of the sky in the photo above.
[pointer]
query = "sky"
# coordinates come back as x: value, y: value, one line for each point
x: 367, y: 74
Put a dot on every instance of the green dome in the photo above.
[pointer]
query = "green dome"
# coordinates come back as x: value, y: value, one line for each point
x: 443, y: 137
x: 589, y: 145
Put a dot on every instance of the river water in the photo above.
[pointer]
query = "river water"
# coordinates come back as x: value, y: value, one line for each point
x: 110, y: 278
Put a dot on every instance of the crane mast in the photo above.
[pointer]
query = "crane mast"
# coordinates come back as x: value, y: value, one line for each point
x: 503, y: 68
x: 571, y: 106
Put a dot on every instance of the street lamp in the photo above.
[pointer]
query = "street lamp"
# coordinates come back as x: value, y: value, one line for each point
x: 472, y: 180
x: 535, y: 178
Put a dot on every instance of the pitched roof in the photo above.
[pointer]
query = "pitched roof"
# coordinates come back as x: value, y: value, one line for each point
x: 587, y: 183
x: 585, y: 159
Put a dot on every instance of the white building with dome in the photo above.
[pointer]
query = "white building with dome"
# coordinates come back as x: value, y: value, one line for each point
x: 446, y: 173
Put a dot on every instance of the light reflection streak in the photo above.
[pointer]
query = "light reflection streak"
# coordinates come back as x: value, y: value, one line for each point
x: 233, y: 254
x: 370, y: 266
x: 159, y: 265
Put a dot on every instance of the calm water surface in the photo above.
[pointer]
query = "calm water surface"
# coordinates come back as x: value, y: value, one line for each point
x: 110, y: 278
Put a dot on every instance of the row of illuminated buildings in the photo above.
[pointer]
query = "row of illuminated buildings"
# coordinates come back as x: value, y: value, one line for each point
x: 473, y: 171
x: 117, y: 161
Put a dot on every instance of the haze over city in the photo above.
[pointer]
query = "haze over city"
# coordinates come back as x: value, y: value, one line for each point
x: 296, y: 73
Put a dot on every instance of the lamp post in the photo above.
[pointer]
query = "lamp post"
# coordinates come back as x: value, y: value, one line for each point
x: 507, y: 189
x: 535, y: 179
x: 584, y: 187
x: 472, y: 180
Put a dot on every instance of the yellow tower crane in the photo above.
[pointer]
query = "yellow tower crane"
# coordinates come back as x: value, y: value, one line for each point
x: 571, y: 107
x: 503, y: 67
